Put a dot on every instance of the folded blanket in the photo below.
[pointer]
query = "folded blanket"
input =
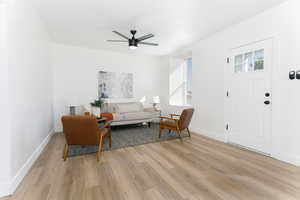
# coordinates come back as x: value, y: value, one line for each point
x: 109, y: 116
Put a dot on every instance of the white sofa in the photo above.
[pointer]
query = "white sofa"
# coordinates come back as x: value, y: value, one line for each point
x: 130, y: 113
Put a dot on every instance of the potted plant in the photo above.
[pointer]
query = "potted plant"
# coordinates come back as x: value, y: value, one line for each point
x: 96, y: 107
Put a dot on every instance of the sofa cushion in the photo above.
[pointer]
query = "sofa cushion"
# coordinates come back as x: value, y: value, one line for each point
x: 110, y: 108
x: 122, y: 107
x: 135, y: 116
x: 129, y: 107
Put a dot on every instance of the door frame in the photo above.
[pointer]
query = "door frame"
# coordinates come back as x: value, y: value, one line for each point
x: 226, y: 88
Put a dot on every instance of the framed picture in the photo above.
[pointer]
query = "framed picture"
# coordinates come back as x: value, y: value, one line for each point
x: 115, y: 85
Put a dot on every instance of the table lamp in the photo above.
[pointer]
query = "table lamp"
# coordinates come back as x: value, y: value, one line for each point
x: 156, y: 101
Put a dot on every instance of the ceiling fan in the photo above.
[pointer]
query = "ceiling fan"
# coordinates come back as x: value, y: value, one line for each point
x: 134, y: 42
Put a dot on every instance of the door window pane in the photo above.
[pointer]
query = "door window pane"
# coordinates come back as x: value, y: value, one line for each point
x: 238, y: 63
x: 238, y: 68
x: 259, y: 60
x: 248, y: 62
x: 238, y: 59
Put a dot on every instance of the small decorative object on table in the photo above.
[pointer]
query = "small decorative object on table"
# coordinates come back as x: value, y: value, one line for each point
x: 72, y: 106
x: 96, y: 107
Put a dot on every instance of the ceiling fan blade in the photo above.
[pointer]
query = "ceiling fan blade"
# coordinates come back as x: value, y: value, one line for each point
x: 148, y: 43
x: 120, y: 34
x: 145, y: 37
x: 116, y: 40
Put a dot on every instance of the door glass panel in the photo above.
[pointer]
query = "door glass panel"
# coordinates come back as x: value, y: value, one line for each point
x: 238, y: 68
x: 238, y: 63
x: 248, y: 62
x: 259, y: 60
x: 238, y: 59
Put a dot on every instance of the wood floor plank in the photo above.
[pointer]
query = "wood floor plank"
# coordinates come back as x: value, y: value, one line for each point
x: 197, y: 168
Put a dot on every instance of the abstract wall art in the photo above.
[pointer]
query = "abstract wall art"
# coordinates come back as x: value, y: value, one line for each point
x: 115, y: 85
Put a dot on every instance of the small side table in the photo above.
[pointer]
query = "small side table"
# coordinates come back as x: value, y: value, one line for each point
x: 102, y: 119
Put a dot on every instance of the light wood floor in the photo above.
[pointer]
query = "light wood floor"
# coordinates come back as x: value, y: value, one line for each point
x: 198, y: 168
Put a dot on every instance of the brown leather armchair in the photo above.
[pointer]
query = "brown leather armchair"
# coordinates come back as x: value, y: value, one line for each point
x: 177, y: 123
x: 84, y: 130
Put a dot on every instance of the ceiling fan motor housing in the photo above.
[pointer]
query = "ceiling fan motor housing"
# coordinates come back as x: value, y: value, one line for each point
x: 133, y: 42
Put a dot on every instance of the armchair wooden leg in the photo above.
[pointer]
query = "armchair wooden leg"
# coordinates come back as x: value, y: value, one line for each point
x: 66, y: 151
x: 110, y: 141
x: 188, y: 132
x: 178, y: 131
x: 100, y: 149
x: 63, y: 152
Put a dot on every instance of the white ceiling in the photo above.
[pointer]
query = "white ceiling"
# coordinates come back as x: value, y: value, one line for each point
x: 175, y: 23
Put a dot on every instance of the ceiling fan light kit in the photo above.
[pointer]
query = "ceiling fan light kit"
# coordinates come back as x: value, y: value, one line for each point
x: 132, y: 47
x: 134, y: 42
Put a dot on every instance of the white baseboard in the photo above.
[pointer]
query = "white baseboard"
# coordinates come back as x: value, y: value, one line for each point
x: 10, y: 187
x: 4, y: 189
x: 58, y: 130
x: 213, y: 135
x: 294, y: 160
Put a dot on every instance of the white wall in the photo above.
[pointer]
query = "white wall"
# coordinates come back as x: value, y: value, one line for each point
x: 30, y: 87
x: 209, y: 56
x: 5, y: 106
x: 75, y: 75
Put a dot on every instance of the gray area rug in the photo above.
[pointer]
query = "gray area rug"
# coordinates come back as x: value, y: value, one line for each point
x: 130, y: 135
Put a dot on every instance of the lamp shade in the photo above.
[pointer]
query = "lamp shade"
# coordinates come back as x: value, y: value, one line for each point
x: 156, y: 99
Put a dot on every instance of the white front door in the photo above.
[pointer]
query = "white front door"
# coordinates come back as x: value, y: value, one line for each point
x: 250, y: 96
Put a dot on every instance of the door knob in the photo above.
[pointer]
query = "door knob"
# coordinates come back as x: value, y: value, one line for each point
x: 267, y: 102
